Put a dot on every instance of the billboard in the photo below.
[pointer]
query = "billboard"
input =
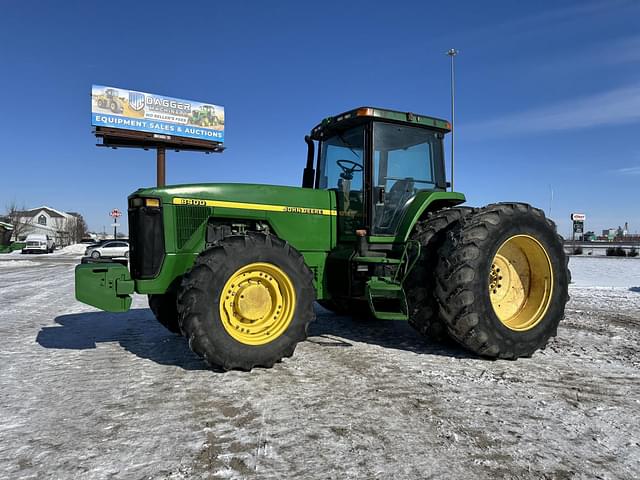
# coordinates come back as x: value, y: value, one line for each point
x: 147, y: 112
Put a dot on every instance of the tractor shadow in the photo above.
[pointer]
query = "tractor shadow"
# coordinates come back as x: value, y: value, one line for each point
x: 332, y: 330
x: 137, y: 331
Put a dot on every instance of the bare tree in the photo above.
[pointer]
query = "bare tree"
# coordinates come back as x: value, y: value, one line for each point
x: 18, y: 218
x: 61, y: 227
x: 77, y: 227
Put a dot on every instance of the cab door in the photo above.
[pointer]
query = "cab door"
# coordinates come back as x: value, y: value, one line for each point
x: 342, y: 168
x: 406, y: 160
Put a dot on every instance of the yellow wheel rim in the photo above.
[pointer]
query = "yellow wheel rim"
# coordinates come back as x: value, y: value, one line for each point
x: 257, y: 303
x: 521, y: 283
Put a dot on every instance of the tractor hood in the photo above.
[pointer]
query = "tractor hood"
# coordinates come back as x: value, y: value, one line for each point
x: 243, y: 196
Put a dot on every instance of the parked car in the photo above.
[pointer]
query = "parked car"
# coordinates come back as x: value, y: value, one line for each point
x: 95, y: 244
x: 98, y: 243
x: 109, y: 249
x: 39, y: 243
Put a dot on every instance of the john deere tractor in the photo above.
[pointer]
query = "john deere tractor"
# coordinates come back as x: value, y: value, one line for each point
x: 205, y: 116
x: 236, y: 268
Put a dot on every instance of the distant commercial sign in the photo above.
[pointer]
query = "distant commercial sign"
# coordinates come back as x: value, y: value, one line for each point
x: 147, y: 112
x: 578, y: 224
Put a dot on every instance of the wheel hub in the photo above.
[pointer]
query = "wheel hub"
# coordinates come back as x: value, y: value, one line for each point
x: 257, y: 303
x: 253, y: 301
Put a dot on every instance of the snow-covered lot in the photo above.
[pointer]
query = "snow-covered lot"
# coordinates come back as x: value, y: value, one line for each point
x: 91, y: 395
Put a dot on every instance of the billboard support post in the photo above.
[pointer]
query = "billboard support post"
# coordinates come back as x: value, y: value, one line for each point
x: 160, y: 166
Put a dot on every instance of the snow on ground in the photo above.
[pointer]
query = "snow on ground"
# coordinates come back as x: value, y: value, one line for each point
x: 18, y: 263
x: 605, y: 272
x: 77, y: 249
x: 95, y: 395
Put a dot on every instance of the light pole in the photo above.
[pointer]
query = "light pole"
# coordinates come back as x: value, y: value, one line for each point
x: 452, y: 53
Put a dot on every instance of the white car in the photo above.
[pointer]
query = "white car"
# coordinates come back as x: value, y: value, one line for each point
x: 38, y: 243
x: 112, y: 249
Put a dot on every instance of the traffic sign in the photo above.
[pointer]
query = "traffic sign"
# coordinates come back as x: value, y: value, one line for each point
x: 115, y: 225
x: 115, y: 213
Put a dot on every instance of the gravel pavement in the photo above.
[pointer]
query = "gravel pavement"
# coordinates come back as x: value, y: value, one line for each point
x: 92, y: 395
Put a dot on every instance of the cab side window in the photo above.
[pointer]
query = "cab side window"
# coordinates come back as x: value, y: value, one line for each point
x: 342, y: 170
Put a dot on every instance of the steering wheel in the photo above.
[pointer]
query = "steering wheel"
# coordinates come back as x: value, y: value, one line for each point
x: 349, y: 167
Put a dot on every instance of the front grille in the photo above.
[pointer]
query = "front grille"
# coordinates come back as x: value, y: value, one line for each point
x: 146, y: 242
x: 188, y: 219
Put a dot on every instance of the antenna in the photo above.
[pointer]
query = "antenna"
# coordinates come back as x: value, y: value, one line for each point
x: 452, y: 53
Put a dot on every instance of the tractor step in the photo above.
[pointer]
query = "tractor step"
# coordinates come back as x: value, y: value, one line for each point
x: 387, y: 299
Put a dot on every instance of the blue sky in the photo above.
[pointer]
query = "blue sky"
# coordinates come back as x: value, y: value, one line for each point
x: 548, y: 93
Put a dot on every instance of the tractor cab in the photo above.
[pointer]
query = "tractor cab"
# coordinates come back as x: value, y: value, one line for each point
x: 376, y: 161
x: 385, y: 167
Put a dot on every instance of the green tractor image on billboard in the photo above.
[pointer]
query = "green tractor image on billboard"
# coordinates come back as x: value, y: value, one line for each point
x: 373, y: 231
x: 110, y: 101
x: 205, y: 116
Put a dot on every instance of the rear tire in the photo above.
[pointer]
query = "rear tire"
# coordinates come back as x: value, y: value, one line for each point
x: 247, y: 302
x: 503, y: 281
x: 165, y: 310
x: 420, y: 285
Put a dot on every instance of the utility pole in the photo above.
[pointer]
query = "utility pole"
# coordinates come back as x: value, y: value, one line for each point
x: 452, y: 53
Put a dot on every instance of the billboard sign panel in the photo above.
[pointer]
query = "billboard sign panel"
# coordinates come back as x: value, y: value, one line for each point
x: 578, y: 217
x: 147, y: 112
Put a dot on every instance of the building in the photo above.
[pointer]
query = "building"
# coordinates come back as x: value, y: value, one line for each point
x: 46, y: 221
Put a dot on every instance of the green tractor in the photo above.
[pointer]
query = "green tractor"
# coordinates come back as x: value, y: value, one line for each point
x: 236, y: 268
x: 205, y: 116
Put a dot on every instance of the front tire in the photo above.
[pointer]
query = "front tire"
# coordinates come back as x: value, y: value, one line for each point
x: 247, y: 302
x: 503, y: 281
x: 95, y: 254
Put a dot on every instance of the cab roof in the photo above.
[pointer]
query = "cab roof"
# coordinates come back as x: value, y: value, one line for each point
x: 362, y: 114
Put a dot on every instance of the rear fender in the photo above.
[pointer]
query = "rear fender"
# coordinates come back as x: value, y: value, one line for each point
x: 423, y: 203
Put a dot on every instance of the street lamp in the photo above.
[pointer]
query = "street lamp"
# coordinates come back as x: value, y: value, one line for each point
x: 452, y: 53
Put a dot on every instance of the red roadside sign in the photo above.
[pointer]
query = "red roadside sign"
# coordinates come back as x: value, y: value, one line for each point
x: 115, y: 213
